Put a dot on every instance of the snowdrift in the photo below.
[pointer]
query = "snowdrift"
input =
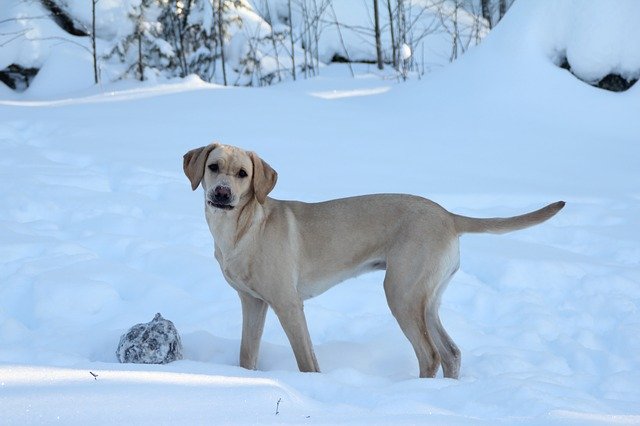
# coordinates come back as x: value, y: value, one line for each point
x: 100, y: 231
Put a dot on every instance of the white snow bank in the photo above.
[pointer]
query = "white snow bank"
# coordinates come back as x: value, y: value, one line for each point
x: 67, y: 70
x: 100, y: 231
x: 603, y: 37
x: 597, y: 37
x: 28, y: 35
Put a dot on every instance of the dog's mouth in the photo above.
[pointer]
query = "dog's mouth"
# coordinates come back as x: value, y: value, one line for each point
x: 220, y: 205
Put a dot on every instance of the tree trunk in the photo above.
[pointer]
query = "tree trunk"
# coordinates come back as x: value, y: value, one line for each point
x: 402, y: 42
x: 394, y: 52
x: 486, y: 11
x: 344, y: 46
x: 306, y: 38
x: 183, y: 29
x: 221, y: 41
x: 503, y: 8
x: 96, y: 77
x: 139, y: 35
x: 293, y: 52
x: 140, y: 65
x: 456, y: 33
x: 376, y: 16
x: 273, y: 40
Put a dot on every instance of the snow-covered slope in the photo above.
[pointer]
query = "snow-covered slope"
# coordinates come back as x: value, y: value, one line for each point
x: 100, y: 231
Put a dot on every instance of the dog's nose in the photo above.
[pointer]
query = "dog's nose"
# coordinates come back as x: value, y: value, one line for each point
x: 222, y: 194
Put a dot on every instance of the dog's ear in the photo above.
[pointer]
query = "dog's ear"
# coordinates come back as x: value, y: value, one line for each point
x: 264, y: 178
x: 193, y: 163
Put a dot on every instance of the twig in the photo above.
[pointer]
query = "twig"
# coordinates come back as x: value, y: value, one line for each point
x: 63, y: 40
x: 344, y: 46
x: 278, y: 406
x: 17, y: 36
x: 26, y: 18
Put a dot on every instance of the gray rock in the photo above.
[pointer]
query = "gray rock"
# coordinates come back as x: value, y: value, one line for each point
x: 155, y: 342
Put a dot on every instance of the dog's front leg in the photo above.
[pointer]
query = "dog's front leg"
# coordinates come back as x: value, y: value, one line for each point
x: 254, y: 312
x: 291, y: 316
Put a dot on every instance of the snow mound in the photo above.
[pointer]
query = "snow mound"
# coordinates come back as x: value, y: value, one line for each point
x: 601, y: 37
x: 593, y: 39
x: 100, y: 228
x: 66, y: 71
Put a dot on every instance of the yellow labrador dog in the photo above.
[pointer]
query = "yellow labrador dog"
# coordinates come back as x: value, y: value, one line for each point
x: 279, y: 253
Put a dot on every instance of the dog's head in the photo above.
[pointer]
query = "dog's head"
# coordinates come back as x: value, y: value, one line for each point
x: 230, y: 176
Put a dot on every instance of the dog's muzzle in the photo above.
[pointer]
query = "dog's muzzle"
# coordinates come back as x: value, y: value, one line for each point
x: 220, y: 198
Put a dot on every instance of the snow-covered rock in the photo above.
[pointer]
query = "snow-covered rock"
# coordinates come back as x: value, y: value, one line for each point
x: 601, y: 37
x: 596, y: 40
x: 154, y: 342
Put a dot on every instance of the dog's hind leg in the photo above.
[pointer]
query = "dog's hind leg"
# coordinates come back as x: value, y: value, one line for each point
x: 408, y: 299
x: 449, y: 353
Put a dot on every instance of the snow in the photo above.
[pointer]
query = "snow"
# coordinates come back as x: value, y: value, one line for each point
x: 28, y: 37
x: 405, y: 52
x: 597, y: 47
x: 66, y: 66
x: 100, y: 231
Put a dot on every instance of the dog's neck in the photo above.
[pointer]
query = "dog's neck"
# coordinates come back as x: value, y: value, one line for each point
x: 229, y: 227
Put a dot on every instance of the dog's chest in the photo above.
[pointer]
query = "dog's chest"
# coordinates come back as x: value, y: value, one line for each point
x: 236, y: 269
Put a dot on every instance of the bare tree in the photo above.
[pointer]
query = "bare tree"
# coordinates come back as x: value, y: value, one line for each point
x: 503, y: 8
x: 293, y: 51
x: 463, y: 32
x: 376, y: 19
x: 96, y: 76
x: 139, y: 34
x: 251, y: 65
x: 417, y: 29
x: 311, y: 15
x: 221, y: 40
x: 344, y: 46
x: 455, y: 34
x: 394, y: 50
x: 494, y: 10
x: 486, y: 10
x: 273, y: 39
x: 403, y: 59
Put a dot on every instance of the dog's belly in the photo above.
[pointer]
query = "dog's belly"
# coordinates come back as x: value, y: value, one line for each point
x: 317, y: 282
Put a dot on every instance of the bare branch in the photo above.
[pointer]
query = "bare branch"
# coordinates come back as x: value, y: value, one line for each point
x: 17, y: 36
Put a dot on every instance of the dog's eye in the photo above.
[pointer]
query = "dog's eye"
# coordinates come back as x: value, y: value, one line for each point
x: 213, y: 167
x: 242, y: 173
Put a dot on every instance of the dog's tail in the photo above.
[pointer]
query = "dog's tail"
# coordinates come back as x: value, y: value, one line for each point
x: 500, y: 225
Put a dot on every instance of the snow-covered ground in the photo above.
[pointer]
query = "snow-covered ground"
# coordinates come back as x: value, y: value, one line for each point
x: 100, y: 230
